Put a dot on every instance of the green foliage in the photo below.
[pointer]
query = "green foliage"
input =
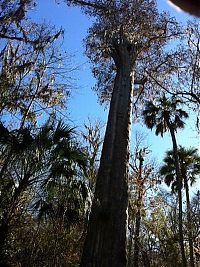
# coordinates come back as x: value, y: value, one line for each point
x: 49, y: 165
x: 189, y: 162
x: 44, y: 244
x: 163, y: 114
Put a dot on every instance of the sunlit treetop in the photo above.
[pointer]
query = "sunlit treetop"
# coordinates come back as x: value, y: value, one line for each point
x: 137, y: 26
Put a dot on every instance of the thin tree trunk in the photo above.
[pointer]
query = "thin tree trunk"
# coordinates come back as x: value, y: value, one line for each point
x: 190, y: 234
x: 179, y: 185
x: 3, y: 236
x: 138, y: 213
x: 105, y: 243
x: 137, y: 235
x: 130, y: 246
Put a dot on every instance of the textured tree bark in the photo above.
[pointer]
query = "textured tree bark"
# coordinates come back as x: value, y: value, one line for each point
x: 105, y: 243
x: 180, y: 208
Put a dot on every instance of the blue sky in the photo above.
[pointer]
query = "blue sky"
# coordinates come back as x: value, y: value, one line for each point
x: 84, y: 103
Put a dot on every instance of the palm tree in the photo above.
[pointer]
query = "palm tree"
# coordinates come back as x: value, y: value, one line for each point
x: 33, y: 157
x: 189, y: 162
x: 165, y: 116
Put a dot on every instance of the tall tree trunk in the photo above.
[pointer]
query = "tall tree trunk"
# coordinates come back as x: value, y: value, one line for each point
x: 105, y: 243
x: 179, y: 185
x: 189, y: 221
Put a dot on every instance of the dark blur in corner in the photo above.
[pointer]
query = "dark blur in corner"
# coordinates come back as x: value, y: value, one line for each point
x: 190, y: 6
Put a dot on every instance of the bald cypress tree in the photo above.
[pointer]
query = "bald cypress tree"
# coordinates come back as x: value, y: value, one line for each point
x: 127, y: 40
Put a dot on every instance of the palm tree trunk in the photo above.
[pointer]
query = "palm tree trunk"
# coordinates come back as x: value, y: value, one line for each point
x: 138, y: 213
x: 190, y: 234
x: 105, y: 243
x: 180, y: 210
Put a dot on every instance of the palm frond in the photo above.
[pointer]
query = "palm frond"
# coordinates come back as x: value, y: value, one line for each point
x: 62, y: 131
